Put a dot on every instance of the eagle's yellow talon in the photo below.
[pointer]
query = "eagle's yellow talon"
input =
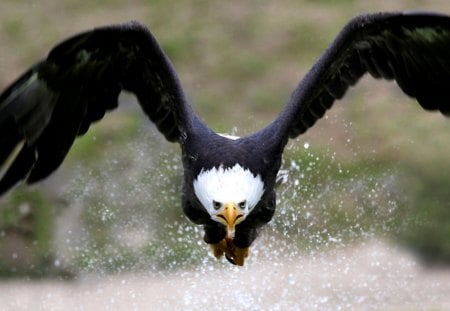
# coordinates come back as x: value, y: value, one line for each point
x: 235, y: 254
x: 219, y: 249
x: 239, y: 255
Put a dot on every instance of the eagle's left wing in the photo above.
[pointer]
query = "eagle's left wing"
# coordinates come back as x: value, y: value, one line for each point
x: 80, y: 80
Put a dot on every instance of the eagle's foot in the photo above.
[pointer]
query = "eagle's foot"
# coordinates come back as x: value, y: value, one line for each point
x: 239, y: 255
x: 233, y: 254
x: 219, y: 249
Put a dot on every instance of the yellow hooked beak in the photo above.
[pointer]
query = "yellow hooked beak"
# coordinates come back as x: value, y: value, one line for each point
x: 230, y: 216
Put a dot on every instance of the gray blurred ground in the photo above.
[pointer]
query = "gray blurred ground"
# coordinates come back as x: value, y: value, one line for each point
x: 371, y: 276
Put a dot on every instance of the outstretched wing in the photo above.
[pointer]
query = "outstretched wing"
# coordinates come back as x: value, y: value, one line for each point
x: 412, y: 48
x: 59, y: 97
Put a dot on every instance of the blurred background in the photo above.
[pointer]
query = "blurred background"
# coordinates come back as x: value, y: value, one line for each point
x: 375, y: 168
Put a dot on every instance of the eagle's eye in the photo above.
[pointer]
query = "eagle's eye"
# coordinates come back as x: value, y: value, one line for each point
x: 242, y: 204
x: 217, y: 205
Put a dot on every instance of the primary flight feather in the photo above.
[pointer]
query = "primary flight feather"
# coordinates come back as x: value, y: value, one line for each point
x: 228, y: 182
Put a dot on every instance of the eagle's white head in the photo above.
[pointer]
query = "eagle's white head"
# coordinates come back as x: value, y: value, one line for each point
x: 228, y: 194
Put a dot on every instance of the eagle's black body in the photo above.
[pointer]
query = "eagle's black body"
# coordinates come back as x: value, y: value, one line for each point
x: 59, y: 97
x: 226, y: 152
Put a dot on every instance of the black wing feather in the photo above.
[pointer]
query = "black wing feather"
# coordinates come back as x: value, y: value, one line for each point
x: 61, y: 96
x: 412, y: 48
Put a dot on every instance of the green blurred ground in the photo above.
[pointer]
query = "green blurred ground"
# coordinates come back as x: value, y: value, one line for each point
x: 376, y: 165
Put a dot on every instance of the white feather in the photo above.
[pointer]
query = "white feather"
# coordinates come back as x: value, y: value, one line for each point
x: 232, y: 137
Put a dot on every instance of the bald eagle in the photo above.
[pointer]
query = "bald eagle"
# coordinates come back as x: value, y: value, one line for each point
x: 228, y: 182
